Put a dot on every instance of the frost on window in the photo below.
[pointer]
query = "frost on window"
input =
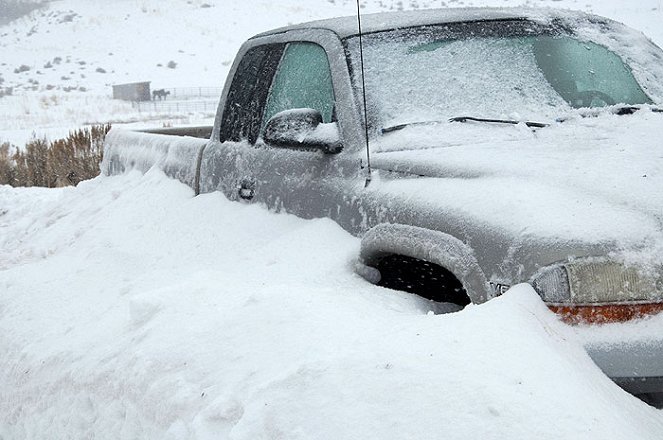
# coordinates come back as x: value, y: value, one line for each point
x: 418, y: 81
x: 303, y: 80
x: 586, y: 74
x: 643, y: 57
x: 508, y: 70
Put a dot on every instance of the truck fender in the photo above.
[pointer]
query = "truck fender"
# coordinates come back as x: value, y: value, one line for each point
x: 424, y: 244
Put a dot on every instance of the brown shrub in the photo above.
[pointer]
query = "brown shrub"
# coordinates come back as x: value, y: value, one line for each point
x: 60, y: 163
x: 7, y: 168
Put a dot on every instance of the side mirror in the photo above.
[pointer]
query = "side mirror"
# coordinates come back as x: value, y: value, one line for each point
x: 303, y: 128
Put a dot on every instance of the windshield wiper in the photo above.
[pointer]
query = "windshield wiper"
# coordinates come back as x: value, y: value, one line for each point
x: 619, y: 110
x: 499, y: 121
x: 623, y: 110
x: 630, y: 109
x: 465, y: 119
x: 407, y: 124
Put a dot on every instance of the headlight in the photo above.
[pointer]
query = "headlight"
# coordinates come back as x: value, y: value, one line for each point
x: 597, y: 282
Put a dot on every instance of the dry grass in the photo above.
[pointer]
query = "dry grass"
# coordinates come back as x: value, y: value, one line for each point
x: 59, y: 163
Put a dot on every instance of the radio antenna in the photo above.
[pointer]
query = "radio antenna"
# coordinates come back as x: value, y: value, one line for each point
x: 363, y: 90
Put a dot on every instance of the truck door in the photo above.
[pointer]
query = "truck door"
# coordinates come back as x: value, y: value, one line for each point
x: 271, y: 79
x: 227, y: 162
x: 288, y: 176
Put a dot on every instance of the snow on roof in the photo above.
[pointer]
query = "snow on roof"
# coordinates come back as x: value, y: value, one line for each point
x: 347, y: 26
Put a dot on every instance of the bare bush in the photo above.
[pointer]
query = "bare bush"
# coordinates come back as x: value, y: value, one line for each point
x: 33, y: 163
x: 7, y: 168
x: 22, y: 68
x: 54, y: 164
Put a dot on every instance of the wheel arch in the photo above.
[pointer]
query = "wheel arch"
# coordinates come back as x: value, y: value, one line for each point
x: 432, y: 246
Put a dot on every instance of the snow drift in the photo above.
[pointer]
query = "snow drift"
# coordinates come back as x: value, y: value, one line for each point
x: 131, y: 309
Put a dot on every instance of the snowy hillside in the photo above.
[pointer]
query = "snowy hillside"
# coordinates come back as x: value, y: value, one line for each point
x: 60, y: 61
x: 130, y: 309
x: 93, y: 44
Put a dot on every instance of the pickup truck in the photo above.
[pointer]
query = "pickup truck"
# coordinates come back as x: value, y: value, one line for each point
x: 470, y: 149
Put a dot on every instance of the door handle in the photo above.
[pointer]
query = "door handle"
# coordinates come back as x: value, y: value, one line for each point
x: 246, y: 189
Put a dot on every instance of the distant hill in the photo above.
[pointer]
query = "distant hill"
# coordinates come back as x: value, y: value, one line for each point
x: 58, y: 61
x: 12, y: 9
x: 87, y: 45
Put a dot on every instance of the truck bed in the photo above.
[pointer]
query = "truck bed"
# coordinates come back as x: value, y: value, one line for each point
x: 176, y: 151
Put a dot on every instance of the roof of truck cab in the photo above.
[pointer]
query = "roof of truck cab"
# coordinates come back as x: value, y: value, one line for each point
x: 347, y: 26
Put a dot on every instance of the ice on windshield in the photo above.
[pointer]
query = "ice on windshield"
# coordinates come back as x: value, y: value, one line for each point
x: 586, y: 74
x: 643, y: 57
x: 408, y: 82
x: 518, y: 73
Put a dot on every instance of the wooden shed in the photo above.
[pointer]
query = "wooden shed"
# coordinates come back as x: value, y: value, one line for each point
x: 134, y: 92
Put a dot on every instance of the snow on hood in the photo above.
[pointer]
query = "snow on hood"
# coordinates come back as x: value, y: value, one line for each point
x: 588, y: 179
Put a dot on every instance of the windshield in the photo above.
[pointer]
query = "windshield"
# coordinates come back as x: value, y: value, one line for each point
x: 512, y: 70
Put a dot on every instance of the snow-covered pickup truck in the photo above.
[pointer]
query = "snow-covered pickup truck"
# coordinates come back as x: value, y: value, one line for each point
x: 504, y: 147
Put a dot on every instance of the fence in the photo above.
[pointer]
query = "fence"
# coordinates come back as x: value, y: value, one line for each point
x: 191, y: 92
x: 179, y: 106
x: 196, y: 92
x: 181, y: 100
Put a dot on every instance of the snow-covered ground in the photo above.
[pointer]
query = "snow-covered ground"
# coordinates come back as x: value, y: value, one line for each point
x: 131, y: 309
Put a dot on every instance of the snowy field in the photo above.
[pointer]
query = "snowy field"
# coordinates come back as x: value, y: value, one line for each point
x: 131, y: 309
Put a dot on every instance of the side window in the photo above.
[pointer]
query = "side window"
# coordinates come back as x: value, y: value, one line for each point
x: 303, y: 80
x: 248, y: 92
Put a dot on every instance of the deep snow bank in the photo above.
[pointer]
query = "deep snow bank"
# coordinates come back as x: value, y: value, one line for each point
x: 131, y: 309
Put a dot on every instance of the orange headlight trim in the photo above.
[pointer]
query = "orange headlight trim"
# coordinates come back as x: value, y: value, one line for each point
x: 604, y: 313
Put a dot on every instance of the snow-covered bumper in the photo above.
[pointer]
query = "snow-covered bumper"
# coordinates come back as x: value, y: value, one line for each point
x: 637, y: 367
x: 614, y: 305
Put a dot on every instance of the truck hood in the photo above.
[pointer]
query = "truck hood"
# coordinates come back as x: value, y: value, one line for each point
x: 596, y: 179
